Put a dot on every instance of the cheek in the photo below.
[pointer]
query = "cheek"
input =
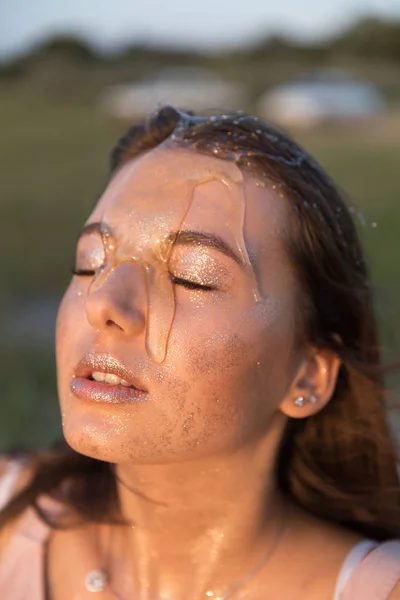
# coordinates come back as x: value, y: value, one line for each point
x: 237, y: 368
x: 236, y: 342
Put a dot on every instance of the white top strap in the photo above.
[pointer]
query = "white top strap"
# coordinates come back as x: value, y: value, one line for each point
x: 351, y: 562
x: 8, y: 480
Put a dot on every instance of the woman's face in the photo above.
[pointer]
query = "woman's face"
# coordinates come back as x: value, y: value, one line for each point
x: 205, y: 343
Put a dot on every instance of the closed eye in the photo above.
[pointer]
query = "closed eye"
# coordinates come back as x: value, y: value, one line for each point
x: 190, y: 285
x: 83, y: 272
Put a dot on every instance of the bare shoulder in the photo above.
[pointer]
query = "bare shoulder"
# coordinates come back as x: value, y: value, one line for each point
x: 10, y: 472
x: 317, y: 551
x: 15, y: 474
x: 395, y: 595
x: 318, y: 533
x: 5, y: 463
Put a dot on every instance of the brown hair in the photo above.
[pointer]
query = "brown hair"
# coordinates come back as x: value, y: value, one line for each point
x: 341, y: 463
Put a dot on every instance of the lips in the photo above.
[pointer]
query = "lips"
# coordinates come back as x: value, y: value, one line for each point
x: 104, y: 379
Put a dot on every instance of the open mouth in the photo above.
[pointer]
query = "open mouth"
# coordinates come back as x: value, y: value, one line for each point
x: 105, y: 380
x: 109, y: 378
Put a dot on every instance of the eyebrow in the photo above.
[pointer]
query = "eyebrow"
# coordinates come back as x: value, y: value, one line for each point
x: 182, y: 238
x: 199, y: 238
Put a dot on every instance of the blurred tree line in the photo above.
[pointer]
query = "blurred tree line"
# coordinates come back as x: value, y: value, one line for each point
x: 369, y: 48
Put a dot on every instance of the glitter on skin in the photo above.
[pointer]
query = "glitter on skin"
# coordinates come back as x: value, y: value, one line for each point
x: 147, y: 244
x: 216, y: 338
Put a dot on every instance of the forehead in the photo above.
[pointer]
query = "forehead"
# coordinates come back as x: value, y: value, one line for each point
x: 169, y: 189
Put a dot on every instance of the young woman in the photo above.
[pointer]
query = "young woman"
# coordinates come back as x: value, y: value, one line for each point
x: 220, y: 388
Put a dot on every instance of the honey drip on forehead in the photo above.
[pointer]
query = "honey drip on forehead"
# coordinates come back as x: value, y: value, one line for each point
x: 237, y: 224
x: 147, y: 226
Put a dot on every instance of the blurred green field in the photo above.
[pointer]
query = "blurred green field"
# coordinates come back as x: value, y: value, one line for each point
x: 53, y: 157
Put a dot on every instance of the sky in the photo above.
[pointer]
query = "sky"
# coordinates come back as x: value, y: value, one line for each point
x: 206, y: 24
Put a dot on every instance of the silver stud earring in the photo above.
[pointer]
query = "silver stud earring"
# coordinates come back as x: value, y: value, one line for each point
x: 301, y: 401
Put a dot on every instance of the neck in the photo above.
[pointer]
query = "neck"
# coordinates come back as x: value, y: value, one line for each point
x: 202, y: 524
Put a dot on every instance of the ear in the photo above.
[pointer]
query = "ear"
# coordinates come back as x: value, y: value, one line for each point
x: 315, y: 382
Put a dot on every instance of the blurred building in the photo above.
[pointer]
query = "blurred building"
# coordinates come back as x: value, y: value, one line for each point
x: 195, y: 89
x: 327, y: 95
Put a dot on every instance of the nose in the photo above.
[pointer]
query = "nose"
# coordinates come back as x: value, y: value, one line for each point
x: 119, y: 304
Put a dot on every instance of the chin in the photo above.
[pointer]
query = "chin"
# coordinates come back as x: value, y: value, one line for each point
x: 88, y: 440
x: 122, y: 435
x: 107, y: 444
x: 102, y: 432
x: 106, y: 440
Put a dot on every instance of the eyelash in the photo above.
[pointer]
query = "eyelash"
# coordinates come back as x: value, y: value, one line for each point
x: 83, y: 272
x: 190, y: 285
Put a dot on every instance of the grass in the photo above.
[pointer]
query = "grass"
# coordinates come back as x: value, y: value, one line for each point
x: 53, y: 156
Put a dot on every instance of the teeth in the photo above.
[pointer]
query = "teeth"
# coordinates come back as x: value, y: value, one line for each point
x: 97, y: 376
x: 112, y: 379
x: 109, y: 378
x: 123, y: 382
